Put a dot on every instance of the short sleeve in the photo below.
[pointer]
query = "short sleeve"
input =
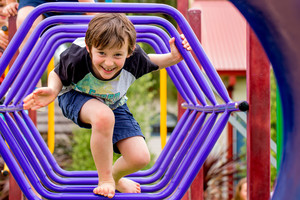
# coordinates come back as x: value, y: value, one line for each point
x: 73, y: 65
x: 139, y: 63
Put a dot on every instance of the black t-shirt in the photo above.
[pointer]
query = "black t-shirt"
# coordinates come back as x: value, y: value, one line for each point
x: 75, y: 72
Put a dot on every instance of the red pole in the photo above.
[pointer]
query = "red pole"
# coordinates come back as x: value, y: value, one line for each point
x: 194, y: 18
x: 258, y: 122
x: 182, y: 6
x: 230, y: 88
x: 15, y: 192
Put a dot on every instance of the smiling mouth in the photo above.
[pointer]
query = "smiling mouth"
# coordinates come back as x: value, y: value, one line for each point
x: 108, y: 70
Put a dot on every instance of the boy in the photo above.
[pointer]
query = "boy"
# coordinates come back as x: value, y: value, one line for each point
x: 95, y: 79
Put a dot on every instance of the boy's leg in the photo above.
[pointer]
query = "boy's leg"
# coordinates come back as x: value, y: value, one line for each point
x: 135, y: 156
x: 22, y: 14
x: 102, y: 121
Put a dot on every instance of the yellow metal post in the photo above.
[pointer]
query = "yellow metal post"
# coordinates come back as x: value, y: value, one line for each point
x: 6, y: 70
x: 163, y: 107
x: 51, y: 122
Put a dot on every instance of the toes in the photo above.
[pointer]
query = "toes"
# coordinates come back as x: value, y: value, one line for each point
x: 98, y: 190
x: 110, y: 195
x: 107, y: 192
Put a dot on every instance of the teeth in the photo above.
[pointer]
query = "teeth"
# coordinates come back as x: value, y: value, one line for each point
x: 108, y: 69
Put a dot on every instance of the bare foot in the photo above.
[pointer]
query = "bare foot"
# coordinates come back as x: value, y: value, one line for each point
x: 106, y: 189
x: 125, y: 185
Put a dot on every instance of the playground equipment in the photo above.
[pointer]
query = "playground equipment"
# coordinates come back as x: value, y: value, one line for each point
x: 276, y: 25
x: 181, y: 151
x: 187, y: 148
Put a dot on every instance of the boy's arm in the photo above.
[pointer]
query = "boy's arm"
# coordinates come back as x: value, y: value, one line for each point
x: 43, y: 96
x: 172, y: 58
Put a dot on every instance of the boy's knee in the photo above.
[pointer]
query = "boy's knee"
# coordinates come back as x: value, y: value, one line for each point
x: 103, y: 120
x: 142, y: 159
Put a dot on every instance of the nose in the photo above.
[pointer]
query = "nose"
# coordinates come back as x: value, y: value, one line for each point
x: 109, y: 62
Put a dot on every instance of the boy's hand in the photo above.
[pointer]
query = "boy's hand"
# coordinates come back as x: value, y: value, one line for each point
x: 39, y: 98
x: 174, y: 51
x: 11, y: 9
x: 169, y: 59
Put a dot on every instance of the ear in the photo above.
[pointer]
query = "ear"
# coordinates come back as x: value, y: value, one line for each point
x: 132, y: 51
x: 87, y: 48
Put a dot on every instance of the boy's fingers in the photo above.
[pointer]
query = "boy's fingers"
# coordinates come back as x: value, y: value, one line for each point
x: 172, y: 40
x: 27, y: 98
x: 28, y: 102
x: 35, y: 107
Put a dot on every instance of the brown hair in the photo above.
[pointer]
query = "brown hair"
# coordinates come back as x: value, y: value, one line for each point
x: 237, y: 195
x: 110, y: 30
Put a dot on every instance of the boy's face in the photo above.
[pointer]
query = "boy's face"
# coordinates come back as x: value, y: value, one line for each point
x: 109, y: 61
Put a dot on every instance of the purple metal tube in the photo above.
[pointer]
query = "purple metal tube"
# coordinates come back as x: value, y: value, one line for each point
x: 49, y: 195
x: 154, y: 8
x: 85, y: 19
x: 180, y: 87
x: 15, y: 169
x: 35, y: 135
x: 177, y: 78
x: 36, y: 182
x: 187, y: 160
x: 50, y: 54
x: 194, y: 68
x: 201, y: 156
x: 122, y: 7
x: 172, y: 152
x: 186, y: 79
x: 175, y: 163
x: 29, y: 76
x: 29, y: 46
x: 174, y: 140
x: 140, y: 197
x: 32, y: 144
x: 67, y: 182
x: 232, y: 106
x: 46, y: 58
x: 36, y: 168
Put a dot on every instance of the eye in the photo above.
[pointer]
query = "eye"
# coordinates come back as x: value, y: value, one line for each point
x: 118, y: 55
x: 101, y: 53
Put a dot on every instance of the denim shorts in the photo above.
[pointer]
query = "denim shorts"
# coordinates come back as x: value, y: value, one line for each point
x: 125, y: 124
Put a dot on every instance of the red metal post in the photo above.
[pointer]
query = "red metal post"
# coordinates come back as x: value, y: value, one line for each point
x: 194, y: 18
x: 182, y: 6
x: 230, y: 89
x: 15, y: 192
x: 258, y: 122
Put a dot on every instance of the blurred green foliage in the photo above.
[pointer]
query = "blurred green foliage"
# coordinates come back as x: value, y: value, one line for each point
x: 273, y: 121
